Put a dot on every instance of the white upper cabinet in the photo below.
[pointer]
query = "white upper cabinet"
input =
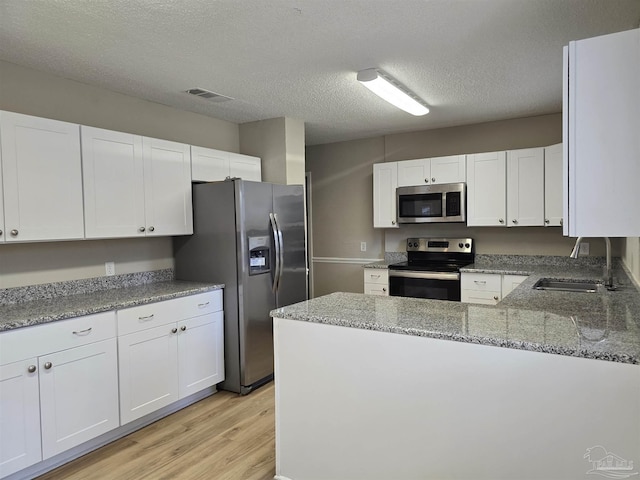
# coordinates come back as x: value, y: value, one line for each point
x: 525, y: 187
x: 167, y: 187
x: 135, y: 186
x: 553, y: 185
x: 385, y: 181
x: 432, y: 171
x: 210, y: 165
x: 41, y: 179
x: 2, y: 231
x: 486, y: 189
x: 113, y: 172
x: 601, y: 120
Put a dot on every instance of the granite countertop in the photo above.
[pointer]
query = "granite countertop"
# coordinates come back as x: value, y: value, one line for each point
x: 46, y: 310
x: 603, y: 325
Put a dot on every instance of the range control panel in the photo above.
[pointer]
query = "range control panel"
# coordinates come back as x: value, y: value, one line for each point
x: 452, y: 245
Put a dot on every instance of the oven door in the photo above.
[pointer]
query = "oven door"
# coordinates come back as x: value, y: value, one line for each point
x: 435, y: 285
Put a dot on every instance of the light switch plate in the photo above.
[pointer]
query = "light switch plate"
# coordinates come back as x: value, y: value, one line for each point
x: 363, y: 246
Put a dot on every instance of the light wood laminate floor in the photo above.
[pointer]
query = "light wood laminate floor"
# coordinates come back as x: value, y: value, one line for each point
x: 222, y: 437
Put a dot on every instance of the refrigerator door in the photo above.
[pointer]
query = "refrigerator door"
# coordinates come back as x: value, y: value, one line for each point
x: 256, y: 299
x: 288, y: 206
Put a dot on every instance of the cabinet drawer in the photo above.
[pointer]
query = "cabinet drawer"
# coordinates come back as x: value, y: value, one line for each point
x: 481, y: 282
x: 143, y: 317
x: 375, y: 289
x: 52, y: 337
x: 484, y: 298
x: 376, y: 275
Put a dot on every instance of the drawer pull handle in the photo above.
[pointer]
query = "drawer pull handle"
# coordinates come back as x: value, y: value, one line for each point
x: 375, y: 276
x: 31, y: 369
x: 148, y: 317
x: 203, y: 304
x: 480, y: 282
x: 82, y: 333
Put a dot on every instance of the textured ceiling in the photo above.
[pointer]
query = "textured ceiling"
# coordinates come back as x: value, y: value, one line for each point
x: 471, y: 60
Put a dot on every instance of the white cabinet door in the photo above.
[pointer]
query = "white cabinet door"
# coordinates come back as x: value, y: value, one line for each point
x: 2, y: 230
x: 42, y: 178
x: 553, y: 185
x: 209, y: 165
x: 525, y: 187
x: 486, y: 189
x: 200, y: 353
x: 601, y: 114
x: 167, y: 187
x: 385, y: 181
x: 414, y: 172
x: 148, y: 371
x: 78, y: 395
x: 113, y: 173
x: 450, y: 169
x: 245, y: 167
x: 19, y: 416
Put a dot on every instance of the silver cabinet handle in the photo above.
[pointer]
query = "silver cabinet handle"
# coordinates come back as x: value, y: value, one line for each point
x: 495, y: 297
x: 31, y: 368
x: 148, y: 317
x: 84, y: 332
x: 561, y: 222
x: 546, y: 220
x: 384, y: 289
x: 183, y: 328
x: 203, y: 304
x: 48, y: 365
x: 501, y: 220
x: 151, y: 229
x: 393, y: 222
x: 426, y: 180
x: 141, y: 229
x: 0, y: 232
x: 14, y: 233
x: 374, y: 276
x: 515, y: 222
x: 480, y: 282
x: 433, y: 179
x: 174, y: 330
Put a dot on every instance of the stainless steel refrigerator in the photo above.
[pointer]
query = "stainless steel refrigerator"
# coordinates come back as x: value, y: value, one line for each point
x: 251, y: 237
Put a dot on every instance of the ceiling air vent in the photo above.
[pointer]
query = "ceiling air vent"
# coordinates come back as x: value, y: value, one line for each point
x: 209, y: 95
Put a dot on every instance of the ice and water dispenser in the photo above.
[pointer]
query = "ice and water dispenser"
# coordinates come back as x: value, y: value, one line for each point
x: 259, y: 255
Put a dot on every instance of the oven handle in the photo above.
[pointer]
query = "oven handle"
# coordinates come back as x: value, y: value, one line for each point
x: 425, y: 275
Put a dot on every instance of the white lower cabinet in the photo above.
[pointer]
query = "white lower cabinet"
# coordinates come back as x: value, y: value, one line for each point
x: 487, y: 288
x: 376, y: 281
x: 59, y: 388
x: 175, y: 349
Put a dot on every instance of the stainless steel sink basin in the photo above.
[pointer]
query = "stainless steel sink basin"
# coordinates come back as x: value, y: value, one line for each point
x: 566, y: 285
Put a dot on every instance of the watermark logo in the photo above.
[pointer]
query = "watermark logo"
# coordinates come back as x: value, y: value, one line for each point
x: 608, y: 464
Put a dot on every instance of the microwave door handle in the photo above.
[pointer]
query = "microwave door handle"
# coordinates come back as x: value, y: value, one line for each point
x: 281, y: 252
x: 276, y: 245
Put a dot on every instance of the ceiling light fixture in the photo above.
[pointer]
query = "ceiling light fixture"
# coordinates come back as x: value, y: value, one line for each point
x: 389, y: 89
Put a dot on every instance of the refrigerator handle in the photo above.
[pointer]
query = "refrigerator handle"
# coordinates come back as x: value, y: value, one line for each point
x: 276, y: 244
x: 281, y: 262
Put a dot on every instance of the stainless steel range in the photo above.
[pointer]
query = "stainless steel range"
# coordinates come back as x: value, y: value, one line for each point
x: 432, y: 269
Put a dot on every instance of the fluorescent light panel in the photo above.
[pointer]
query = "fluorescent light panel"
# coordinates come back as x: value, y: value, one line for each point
x: 389, y: 89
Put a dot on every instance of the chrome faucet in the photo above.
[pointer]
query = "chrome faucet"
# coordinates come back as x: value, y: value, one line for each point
x: 608, y: 281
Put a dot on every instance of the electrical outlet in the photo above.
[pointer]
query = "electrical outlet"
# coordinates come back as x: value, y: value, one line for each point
x: 363, y: 246
x: 584, y: 249
x: 110, y: 269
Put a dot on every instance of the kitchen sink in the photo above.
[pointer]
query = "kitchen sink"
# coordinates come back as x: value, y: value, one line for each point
x: 566, y: 285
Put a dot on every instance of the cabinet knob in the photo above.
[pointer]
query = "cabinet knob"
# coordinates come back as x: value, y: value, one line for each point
x: 560, y: 222
x: 433, y: 179
x: 501, y: 220
x: 174, y: 330
x: 183, y: 328
x: 0, y: 232
x: 546, y: 221
x: 514, y: 221
x: 141, y: 229
x: 393, y: 222
x: 48, y: 365
x: 14, y: 233
x: 151, y: 229
x: 384, y: 289
x: 31, y: 368
x: 426, y: 180
x: 495, y: 297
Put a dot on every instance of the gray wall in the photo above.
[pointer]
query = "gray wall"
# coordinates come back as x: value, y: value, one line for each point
x: 342, y: 193
x: 36, y: 93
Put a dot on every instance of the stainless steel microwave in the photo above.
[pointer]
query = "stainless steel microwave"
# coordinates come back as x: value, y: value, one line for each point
x: 431, y: 203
